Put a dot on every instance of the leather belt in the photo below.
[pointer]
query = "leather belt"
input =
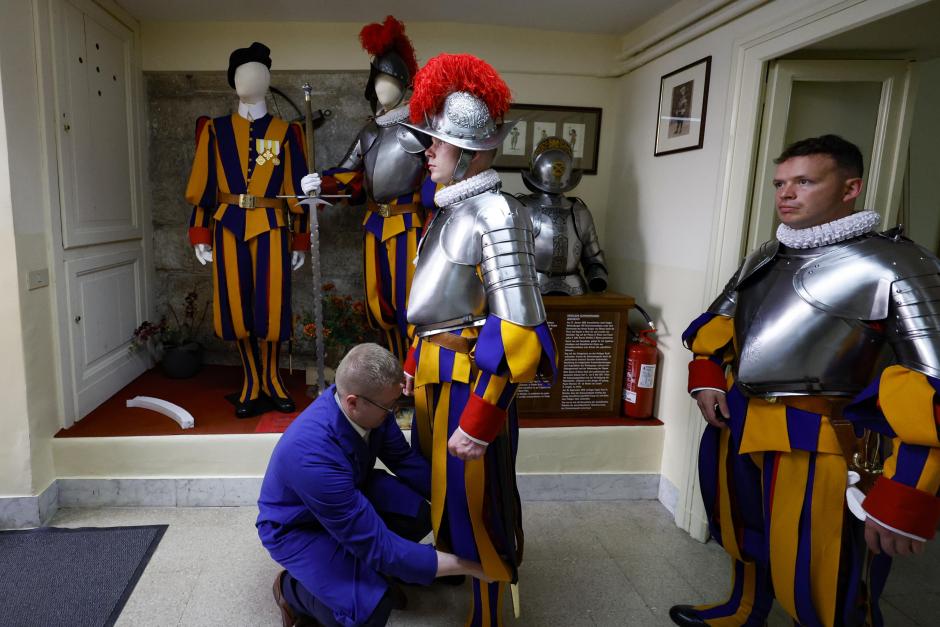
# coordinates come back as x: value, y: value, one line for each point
x: 250, y: 201
x: 388, y: 210
x: 451, y: 342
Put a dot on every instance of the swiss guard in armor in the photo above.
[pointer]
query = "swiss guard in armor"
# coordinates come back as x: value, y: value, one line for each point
x: 385, y: 168
x: 829, y: 327
x: 564, y: 229
x: 479, y: 321
x: 243, y: 162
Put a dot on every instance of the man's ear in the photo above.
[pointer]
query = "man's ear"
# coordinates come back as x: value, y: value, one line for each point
x: 853, y: 189
x: 484, y: 158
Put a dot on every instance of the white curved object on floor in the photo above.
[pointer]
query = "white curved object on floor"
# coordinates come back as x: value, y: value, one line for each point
x: 177, y: 413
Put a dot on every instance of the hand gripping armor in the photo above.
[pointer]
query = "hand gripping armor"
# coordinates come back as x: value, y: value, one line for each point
x: 803, y: 318
x: 391, y: 157
x: 490, y: 231
x: 564, y: 237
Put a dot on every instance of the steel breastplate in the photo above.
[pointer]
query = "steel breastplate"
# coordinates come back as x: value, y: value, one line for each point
x: 558, y: 247
x: 444, y: 290
x: 786, y: 346
x: 390, y: 172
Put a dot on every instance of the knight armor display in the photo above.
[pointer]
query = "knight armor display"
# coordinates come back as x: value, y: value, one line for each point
x: 390, y: 155
x: 848, y: 309
x: 563, y: 227
x: 475, y: 226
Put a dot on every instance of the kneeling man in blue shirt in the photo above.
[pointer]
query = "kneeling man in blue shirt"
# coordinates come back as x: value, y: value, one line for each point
x: 341, y: 528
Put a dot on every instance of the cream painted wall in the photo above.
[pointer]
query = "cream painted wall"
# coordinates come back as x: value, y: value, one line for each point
x: 540, y: 67
x: 25, y: 460
x: 658, y: 240
x: 924, y: 222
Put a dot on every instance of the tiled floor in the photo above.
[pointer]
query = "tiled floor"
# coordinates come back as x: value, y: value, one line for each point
x: 610, y: 563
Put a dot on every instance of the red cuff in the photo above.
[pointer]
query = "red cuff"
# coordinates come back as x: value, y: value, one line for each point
x: 329, y: 185
x: 411, y: 366
x: 903, y: 507
x: 200, y: 235
x: 301, y: 241
x: 482, y: 420
x: 704, y: 373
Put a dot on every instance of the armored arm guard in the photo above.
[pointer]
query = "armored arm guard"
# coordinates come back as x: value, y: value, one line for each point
x: 353, y: 159
x: 508, y: 262
x: 883, y: 277
x: 592, y: 257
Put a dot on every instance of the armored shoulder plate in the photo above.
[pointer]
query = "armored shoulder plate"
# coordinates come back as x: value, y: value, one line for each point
x: 854, y: 281
x: 353, y: 158
x: 757, y: 260
x: 367, y: 136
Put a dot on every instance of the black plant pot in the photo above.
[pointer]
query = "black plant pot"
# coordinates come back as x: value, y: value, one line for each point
x: 181, y: 362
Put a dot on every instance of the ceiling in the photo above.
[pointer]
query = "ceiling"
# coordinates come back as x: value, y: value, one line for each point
x: 911, y: 34
x: 612, y: 17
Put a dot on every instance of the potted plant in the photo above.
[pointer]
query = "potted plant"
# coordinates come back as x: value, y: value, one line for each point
x: 344, y: 325
x: 173, y: 344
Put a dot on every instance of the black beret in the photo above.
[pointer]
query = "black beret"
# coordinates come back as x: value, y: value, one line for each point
x: 256, y: 52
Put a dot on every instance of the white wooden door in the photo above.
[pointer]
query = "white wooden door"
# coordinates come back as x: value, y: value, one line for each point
x: 102, y: 249
x: 867, y: 102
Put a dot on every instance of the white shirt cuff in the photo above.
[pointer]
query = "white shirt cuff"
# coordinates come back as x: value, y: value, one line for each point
x: 471, y: 438
x: 694, y: 390
x: 897, y: 531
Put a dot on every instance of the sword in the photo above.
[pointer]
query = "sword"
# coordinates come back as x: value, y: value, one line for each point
x: 313, y: 203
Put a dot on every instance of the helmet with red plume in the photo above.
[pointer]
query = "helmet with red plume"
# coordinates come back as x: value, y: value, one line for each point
x: 392, y: 54
x: 461, y: 100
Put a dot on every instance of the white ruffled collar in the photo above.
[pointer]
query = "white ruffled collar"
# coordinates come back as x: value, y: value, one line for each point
x: 829, y: 233
x: 476, y: 184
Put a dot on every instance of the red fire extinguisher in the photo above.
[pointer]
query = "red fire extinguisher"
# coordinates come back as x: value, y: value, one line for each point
x: 639, y: 376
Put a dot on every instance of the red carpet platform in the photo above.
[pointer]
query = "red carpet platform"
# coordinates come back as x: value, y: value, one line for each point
x: 203, y: 396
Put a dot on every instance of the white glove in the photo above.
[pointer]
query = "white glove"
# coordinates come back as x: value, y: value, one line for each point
x: 297, y: 259
x: 311, y: 184
x: 203, y: 253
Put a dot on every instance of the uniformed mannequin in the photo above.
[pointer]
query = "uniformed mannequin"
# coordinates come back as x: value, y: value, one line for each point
x: 564, y: 229
x: 385, y: 168
x: 807, y: 326
x: 243, y: 162
x: 475, y: 290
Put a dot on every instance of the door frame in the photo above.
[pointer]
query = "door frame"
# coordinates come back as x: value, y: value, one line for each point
x: 749, y: 58
x: 68, y: 406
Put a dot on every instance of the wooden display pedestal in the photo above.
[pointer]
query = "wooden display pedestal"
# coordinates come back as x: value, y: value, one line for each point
x: 591, y: 335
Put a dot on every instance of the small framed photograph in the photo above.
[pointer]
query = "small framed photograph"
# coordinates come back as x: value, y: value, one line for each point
x: 683, y: 102
x: 579, y: 126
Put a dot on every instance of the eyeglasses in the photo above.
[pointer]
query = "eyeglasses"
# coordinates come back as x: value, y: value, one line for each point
x: 389, y: 410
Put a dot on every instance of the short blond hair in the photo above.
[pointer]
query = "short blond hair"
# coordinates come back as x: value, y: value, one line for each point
x: 367, y: 367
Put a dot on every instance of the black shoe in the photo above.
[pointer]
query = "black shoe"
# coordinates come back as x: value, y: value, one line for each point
x: 452, y: 580
x: 244, y: 410
x: 289, y: 618
x: 283, y: 405
x: 686, y: 616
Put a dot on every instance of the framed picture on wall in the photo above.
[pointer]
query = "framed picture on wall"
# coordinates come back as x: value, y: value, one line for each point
x: 579, y: 126
x: 683, y: 100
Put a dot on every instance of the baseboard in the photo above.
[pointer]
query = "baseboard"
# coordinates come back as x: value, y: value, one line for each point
x: 24, y: 512
x: 34, y: 511
x: 668, y: 495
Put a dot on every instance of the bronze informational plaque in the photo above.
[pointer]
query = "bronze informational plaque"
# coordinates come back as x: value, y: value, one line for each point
x: 591, y: 334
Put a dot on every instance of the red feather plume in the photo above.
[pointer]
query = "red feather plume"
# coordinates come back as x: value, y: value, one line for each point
x: 447, y: 73
x: 377, y: 39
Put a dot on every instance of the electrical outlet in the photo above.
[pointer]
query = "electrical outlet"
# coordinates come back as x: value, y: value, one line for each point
x: 37, y: 279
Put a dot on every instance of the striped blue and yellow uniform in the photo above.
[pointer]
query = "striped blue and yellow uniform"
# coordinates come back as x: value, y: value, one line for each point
x: 251, y: 247
x: 774, y: 486
x: 475, y: 392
